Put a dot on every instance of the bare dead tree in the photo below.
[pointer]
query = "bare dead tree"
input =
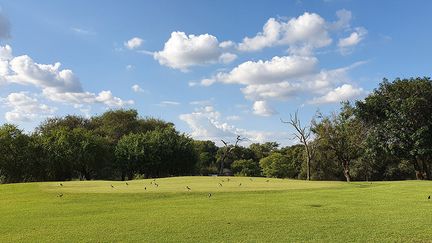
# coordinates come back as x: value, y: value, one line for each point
x: 228, y: 151
x: 303, y: 135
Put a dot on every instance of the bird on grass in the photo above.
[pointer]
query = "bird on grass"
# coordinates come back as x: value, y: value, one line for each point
x: 222, y: 180
x: 187, y: 187
x: 127, y: 184
x: 151, y: 182
x: 112, y: 186
x: 429, y: 197
x: 267, y: 180
x: 61, y: 184
x: 250, y: 179
x: 220, y: 184
x: 145, y: 188
x: 60, y: 195
x: 240, y: 184
x: 209, y: 195
x: 157, y: 185
x: 228, y: 179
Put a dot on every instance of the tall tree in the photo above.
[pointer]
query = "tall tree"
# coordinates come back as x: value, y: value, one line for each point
x: 343, y: 134
x: 303, y: 135
x: 400, y: 113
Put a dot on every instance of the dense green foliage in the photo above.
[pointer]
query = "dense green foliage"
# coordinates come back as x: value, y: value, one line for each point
x: 258, y: 211
x: 386, y: 136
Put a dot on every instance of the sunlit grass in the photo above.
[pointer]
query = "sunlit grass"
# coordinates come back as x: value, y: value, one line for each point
x: 257, y: 210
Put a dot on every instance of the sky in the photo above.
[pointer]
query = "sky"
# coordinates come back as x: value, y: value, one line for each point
x: 216, y: 69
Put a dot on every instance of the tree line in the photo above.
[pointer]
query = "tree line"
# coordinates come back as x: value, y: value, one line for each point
x: 386, y: 136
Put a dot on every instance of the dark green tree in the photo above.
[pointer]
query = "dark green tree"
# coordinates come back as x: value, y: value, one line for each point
x: 400, y: 115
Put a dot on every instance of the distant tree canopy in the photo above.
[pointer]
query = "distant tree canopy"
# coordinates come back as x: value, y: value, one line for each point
x: 386, y: 136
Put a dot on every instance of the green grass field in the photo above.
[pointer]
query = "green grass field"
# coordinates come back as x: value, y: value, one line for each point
x: 258, y: 210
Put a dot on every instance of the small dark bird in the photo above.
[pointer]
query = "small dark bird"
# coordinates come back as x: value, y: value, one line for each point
x: 222, y: 180
x: 127, y: 184
x: 240, y: 184
x: 60, y: 195
x: 112, y: 186
x: 429, y: 197
x: 250, y: 179
x: 151, y: 182
x: 220, y: 184
x: 188, y: 188
x: 157, y: 185
x: 228, y: 179
x: 145, y: 188
x: 267, y: 180
x: 61, y: 184
x: 209, y: 195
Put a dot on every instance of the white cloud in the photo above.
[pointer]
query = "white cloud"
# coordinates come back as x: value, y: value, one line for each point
x: 27, y: 72
x: 227, y: 57
x: 81, y: 31
x: 207, y: 124
x: 279, y: 91
x: 137, y: 89
x: 262, y: 108
x: 104, y: 97
x: 282, y: 78
x: 227, y: 44
x: 57, y: 84
x: 344, y: 19
x: 308, y: 30
x: 268, y: 37
x: 169, y: 103
x: 274, y: 70
x: 133, y: 43
x: 25, y: 108
x: 130, y: 67
x: 352, y: 40
x: 183, y: 51
x: 233, y: 118
x: 342, y: 93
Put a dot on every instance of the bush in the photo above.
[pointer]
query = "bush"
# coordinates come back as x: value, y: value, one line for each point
x: 277, y: 165
x: 246, y: 167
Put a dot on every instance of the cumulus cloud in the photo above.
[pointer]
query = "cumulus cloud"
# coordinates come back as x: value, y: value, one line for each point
x: 57, y: 84
x: 27, y: 72
x: 270, y: 71
x: 25, y: 108
x: 208, y: 124
x: 262, y: 108
x: 183, y: 51
x: 282, y: 78
x: 104, y: 97
x: 133, y: 43
x: 352, y: 40
x: 341, y: 93
x: 307, y: 30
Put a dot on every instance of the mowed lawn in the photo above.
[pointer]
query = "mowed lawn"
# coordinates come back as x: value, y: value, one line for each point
x: 260, y: 209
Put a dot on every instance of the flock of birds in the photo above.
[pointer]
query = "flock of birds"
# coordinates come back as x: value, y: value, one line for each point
x: 153, y: 182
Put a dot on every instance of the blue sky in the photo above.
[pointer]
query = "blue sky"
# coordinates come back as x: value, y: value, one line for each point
x: 214, y: 68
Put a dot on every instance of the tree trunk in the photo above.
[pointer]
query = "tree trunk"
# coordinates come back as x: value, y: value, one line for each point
x: 426, y: 171
x: 417, y: 169
x: 308, y: 159
x: 347, y: 171
x: 221, y: 168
